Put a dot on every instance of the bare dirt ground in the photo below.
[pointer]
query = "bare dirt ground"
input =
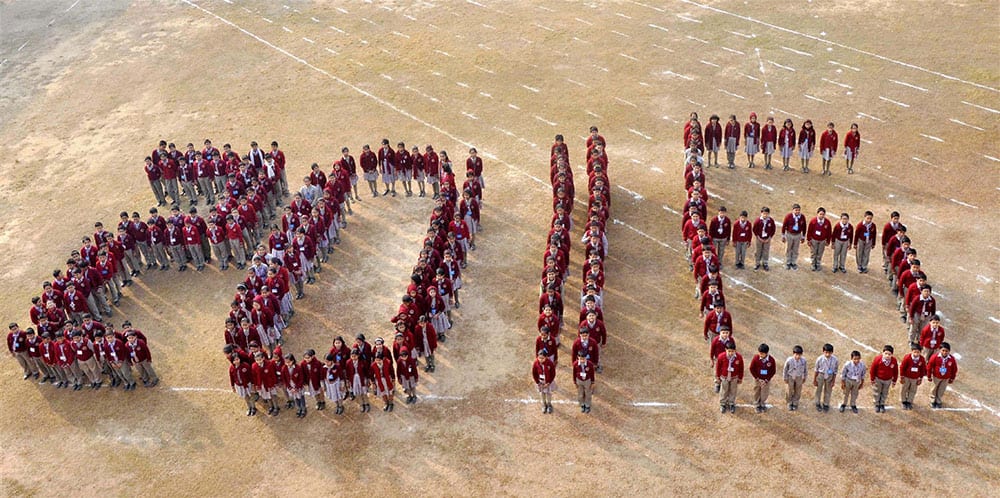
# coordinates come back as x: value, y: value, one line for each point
x: 88, y: 88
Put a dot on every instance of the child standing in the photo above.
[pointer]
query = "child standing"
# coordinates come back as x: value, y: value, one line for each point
x: 543, y: 371
x: 941, y: 368
x: 768, y: 141
x: 794, y: 373
x: 762, y: 370
x: 240, y: 376
x: 786, y: 142
x: 729, y: 374
x: 732, y: 138
x: 751, y: 133
x: 381, y: 380
x: 807, y: 142
x: 912, y: 369
x: 406, y: 372
x: 852, y: 144
x: 884, y: 373
x: 295, y: 383
x: 824, y: 376
x: 852, y: 379
x: 265, y: 381
x: 828, y: 147
x: 334, y: 381
x: 713, y: 140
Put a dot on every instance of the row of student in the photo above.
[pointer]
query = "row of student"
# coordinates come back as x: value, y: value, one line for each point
x: 884, y: 372
x: 592, y: 333
x: 209, y: 172
x: 422, y: 320
x: 77, y: 354
x: 768, y: 140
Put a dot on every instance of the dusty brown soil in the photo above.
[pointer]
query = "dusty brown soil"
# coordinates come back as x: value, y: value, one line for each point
x: 98, y: 84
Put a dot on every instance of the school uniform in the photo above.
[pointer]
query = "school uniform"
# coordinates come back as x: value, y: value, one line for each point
x: 826, y: 375
x: 117, y: 356
x: 911, y: 372
x: 931, y: 339
x: 883, y: 376
x: 852, y: 145
x: 712, y: 137
x: 714, y: 321
x: 786, y: 142
x: 920, y: 312
x: 807, y: 141
x: 818, y: 235
x: 543, y: 372
x: 751, y: 135
x: 742, y: 235
x: 729, y: 373
x: 17, y: 345
x: 142, y: 361
x: 265, y: 379
x: 842, y: 236
x: 793, y: 231
x: 864, y: 241
x: 240, y: 378
x: 768, y: 138
x: 583, y: 378
x: 853, y: 376
x: 762, y: 370
x: 794, y: 374
x: 720, y: 229
x: 941, y: 371
x: 407, y: 374
x: 763, y: 229
x: 828, y: 144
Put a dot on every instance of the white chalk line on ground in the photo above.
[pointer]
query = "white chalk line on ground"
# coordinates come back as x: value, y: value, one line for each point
x: 841, y: 45
x: 429, y: 125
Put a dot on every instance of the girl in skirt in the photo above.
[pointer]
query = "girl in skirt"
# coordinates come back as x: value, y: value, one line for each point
x: 265, y: 380
x: 356, y: 372
x: 436, y: 311
x: 713, y: 140
x: 807, y: 142
x: 295, y: 381
x: 786, y: 143
x: 454, y: 273
x: 751, y: 134
x: 461, y: 229
x: 852, y: 145
x: 425, y: 338
x: 768, y: 140
x: 732, y: 138
x: 444, y: 288
x: 240, y: 378
x: 263, y: 320
x: 469, y: 209
x: 334, y: 382
x: 381, y: 380
x: 407, y: 373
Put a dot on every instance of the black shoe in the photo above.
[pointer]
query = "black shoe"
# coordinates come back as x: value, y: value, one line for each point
x: 826, y: 408
x: 717, y: 388
x: 321, y: 405
x: 842, y: 408
x: 392, y: 406
x: 759, y: 409
x: 26, y: 376
x: 732, y: 408
x: 788, y: 266
x: 289, y: 404
x: 586, y: 409
x: 339, y: 410
x: 766, y: 268
x: 756, y: 267
x: 854, y: 409
x: 250, y: 412
x: 819, y: 407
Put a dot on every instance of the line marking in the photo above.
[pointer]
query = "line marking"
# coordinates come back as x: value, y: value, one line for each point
x: 287, y: 29
x: 656, y: 170
x: 681, y: 76
x: 705, y: 62
x: 841, y: 45
x: 403, y: 35
x: 550, y: 123
x: 747, y: 76
x: 469, y: 115
x: 869, y: 116
x: 663, y: 48
x: 696, y: 103
x: 744, y: 35
x: 960, y: 203
x: 974, y: 127
x: 619, y: 33
x: 533, y: 89
x: 512, y: 106
x: 817, y: 99
x: 641, y: 134
x: 546, y: 28
x: 592, y: 114
x: 762, y: 185
x: 842, y: 85
x: 799, y: 52
x: 929, y: 222
x: 684, y: 17
x: 629, y: 57
x: 462, y: 84
x: 588, y: 23
x: 893, y: 101
x: 483, y: 69
x: 442, y: 52
x: 909, y: 85
x: 689, y: 37
x: 616, y: 221
x: 71, y: 6
x: 733, y: 50
x: 852, y: 68
x: 635, y: 195
x: 792, y: 114
x: 200, y: 389
x: 654, y: 404
x: 991, y: 158
x: 338, y: 30
x: 855, y: 192
x: 623, y: 101
x: 731, y: 94
x: 332, y: 51
x: 932, y: 137
x: 25, y: 44
x: 849, y: 294
x: 917, y: 159
x: 669, y: 210
x: 619, y: 14
x: 994, y: 111
x: 661, y: 28
x: 991, y: 360
x: 787, y: 68
x: 307, y: 40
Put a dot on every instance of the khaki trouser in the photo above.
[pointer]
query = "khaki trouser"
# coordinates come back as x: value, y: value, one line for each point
x: 824, y: 389
x: 124, y: 372
x: 794, y: 391
x: 880, y: 391
x: 761, y: 389
x: 206, y: 188
x: 864, y: 254
x: 26, y: 363
x: 840, y: 248
x: 160, y: 254
x: 851, y: 389
x: 40, y: 365
x: 908, y: 389
x: 189, y: 191
x: 146, y: 372
x: 179, y: 255
x: 220, y: 184
x: 727, y: 391
x: 91, y: 370
x: 172, y: 190
x: 57, y: 373
x: 73, y: 372
x: 221, y: 251
x: 147, y: 252
x: 157, y: 187
x: 740, y: 252
x: 720, y: 248
x: 938, y: 390
x: 917, y: 325
x: 816, y: 251
x: 792, y: 243
x: 197, y: 257
x: 584, y: 391
x: 763, y: 248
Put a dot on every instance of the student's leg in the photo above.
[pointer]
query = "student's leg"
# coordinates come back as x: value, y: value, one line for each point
x: 157, y: 188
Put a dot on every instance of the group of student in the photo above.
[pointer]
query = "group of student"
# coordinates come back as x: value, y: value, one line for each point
x: 259, y: 370
x: 705, y: 245
x: 768, y: 140
x: 592, y: 335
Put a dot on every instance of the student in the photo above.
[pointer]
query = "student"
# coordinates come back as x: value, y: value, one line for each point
x: 768, y: 141
x: 941, y: 367
x: 818, y: 234
x: 852, y: 145
x: 842, y: 236
x: 884, y: 373
x: 117, y: 357
x: 17, y: 346
x: 920, y: 312
x: 543, y: 371
x: 912, y: 370
x: 786, y: 142
x: 312, y: 373
x: 889, y: 231
x: 794, y: 374
x: 729, y: 374
x: 718, y: 347
x: 432, y: 168
x: 742, y: 234
x: 407, y: 374
x: 86, y: 359
x: 425, y: 338
x: 828, y: 147
x: 141, y: 359
x: 381, y: 380
x: 864, y: 241
x: 762, y: 369
x: 763, y: 229
x: 387, y: 166
x: 717, y: 320
x: 474, y: 164
x: 265, y: 381
x: 295, y: 384
x: 932, y: 337
x: 356, y: 371
x: 732, y: 139
x: 720, y: 229
x: 333, y: 381
x: 852, y: 380
x: 240, y: 378
x: 793, y: 232
x: 751, y: 134
x: 824, y: 376
x: 807, y: 142
x: 713, y: 140
x: 369, y: 166
x: 583, y: 378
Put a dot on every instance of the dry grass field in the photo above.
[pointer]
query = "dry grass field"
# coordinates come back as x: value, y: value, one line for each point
x: 89, y: 86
